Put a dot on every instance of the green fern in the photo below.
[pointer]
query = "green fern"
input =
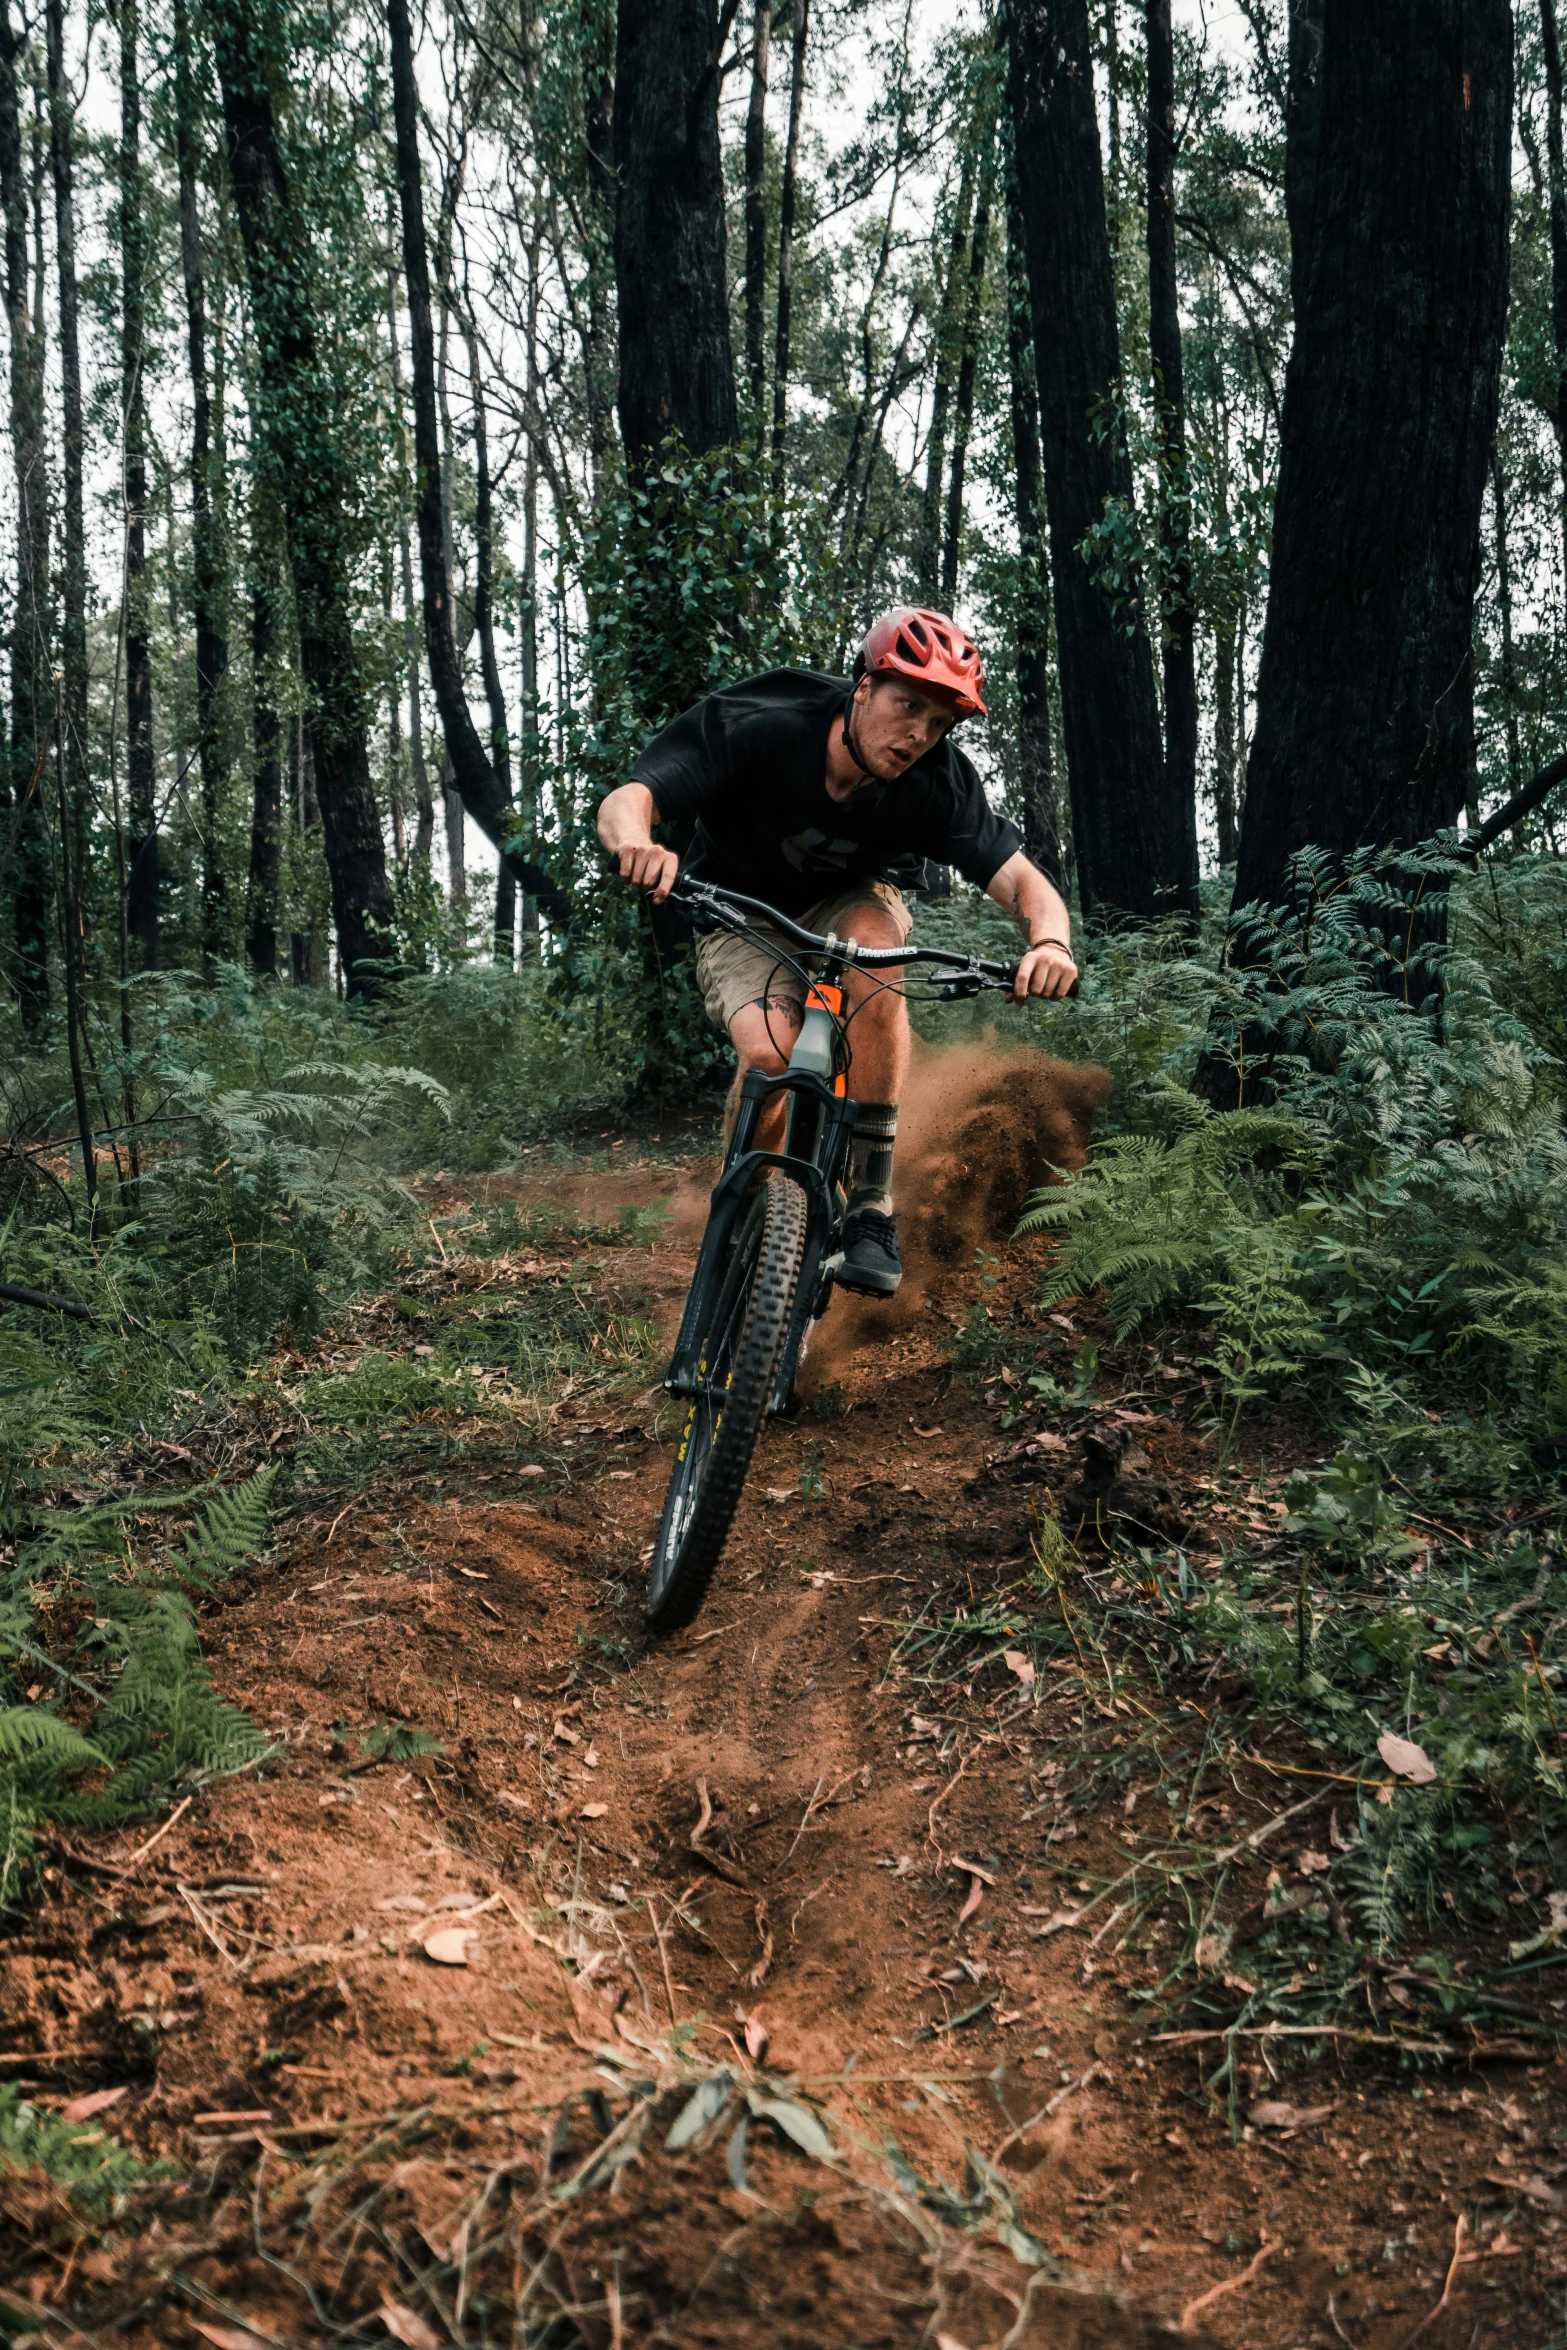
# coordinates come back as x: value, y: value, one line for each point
x: 230, y: 1530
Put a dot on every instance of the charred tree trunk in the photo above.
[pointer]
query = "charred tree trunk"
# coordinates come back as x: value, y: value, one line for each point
x: 1131, y: 846
x: 1036, y: 771
x: 1176, y: 620
x: 786, y: 210
x: 1398, y: 191
x: 756, y: 207
x: 676, y: 369
x: 212, y: 652
x: 73, y: 580
x: 928, y: 568
x: 1556, y: 171
x: 31, y: 886
x: 310, y: 473
x: 486, y: 794
x: 266, y: 795
x: 424, y: 804
x: 484, y: 629
x: 963, y: 406
x: 140, y: 755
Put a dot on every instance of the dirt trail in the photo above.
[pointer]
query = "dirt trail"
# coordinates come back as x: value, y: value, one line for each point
x: 733, y: 1850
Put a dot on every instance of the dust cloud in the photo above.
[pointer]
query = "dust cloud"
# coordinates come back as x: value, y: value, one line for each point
x: 980, y: 1128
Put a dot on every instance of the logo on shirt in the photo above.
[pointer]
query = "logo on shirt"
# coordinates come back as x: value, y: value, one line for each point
x: 813, y: 852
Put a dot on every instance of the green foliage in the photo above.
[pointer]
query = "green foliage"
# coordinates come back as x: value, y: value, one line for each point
x: 98, y: 2176
x: 106, y: 1708
x: 396, y: 1742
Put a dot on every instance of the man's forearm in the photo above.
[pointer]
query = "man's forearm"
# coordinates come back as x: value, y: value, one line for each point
x: 626, y: 818
x: 1034, y: 903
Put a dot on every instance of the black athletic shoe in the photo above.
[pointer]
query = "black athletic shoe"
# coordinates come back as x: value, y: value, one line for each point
x: 869, y: 1263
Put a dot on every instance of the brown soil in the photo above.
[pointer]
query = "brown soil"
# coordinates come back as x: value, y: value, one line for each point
x: 738, y: 1832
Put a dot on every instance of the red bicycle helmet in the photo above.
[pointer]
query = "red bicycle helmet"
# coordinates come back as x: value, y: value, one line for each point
x: 932, y: 652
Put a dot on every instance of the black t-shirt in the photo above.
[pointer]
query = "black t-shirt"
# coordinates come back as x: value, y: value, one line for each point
x: 749, y: 763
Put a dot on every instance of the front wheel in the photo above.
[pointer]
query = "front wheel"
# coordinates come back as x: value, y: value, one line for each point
x: 738, y: 1356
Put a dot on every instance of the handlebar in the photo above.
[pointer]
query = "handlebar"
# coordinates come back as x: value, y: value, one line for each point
x: 714, y: 908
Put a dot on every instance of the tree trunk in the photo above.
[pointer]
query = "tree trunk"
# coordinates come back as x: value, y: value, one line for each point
x: 266, y: 804
x: 963, y: 407
x: 484, y: 793
x: 140, y: 754
x: 212, y: 652
x: 310, y: 470
x: 1226, y: 745
x: 1397, y: 187
x: 1132, y: 847
x: 1504, y: 601
x: 1036, y: 776
x: 928, y: 567
x: 786, y: 207
x: 1557, y: 181
x: 1176, y: 623
x: 424, y: 805
x: 676, y: 370
x: 484, y: 627
x: 73, y: 578
x: 28, y: 859
x: 756, y: 206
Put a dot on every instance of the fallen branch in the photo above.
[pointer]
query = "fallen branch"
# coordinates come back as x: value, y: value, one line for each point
x: 17, y: 1293
x: 1303, y: 2032
x: 1258, y: 1836
x: 1460, y: 2227
x: 1214, y: 2293
x: 715, y: 1860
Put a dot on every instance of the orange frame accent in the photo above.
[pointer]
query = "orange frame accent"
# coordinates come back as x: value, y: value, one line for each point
x: 829, y: 999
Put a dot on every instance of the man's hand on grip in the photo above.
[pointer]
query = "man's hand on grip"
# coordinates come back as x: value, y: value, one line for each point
x: 649, y: 867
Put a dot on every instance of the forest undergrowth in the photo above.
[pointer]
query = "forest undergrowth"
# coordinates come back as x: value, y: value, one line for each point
x: 283, y: 1299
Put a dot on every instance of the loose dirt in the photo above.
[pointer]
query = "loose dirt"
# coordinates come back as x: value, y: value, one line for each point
x: 733, y: 1854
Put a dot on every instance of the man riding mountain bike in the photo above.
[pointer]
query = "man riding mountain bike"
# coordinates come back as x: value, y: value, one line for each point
x: 819, y: 794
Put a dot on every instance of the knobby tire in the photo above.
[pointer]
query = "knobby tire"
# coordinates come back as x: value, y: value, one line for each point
x: 740, y: 1354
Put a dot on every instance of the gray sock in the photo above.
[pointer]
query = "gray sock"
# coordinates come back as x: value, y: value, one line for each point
x: 870, y: 1156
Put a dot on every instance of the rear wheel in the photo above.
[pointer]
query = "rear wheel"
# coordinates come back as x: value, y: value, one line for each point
x: 738, y: 1359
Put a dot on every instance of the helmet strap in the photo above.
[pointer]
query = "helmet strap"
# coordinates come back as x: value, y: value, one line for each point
x: 853, y: 748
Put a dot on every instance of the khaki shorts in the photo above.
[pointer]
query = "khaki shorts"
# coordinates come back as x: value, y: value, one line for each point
x: 734, y: 972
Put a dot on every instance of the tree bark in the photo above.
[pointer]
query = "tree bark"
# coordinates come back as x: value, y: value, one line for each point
x: 309, y: 469
x: 73, y: 576
x: 485, y: 794
x: 786, y: 209
x: 676, y: 369
x: 1176, y: 621
x: 928, y: 568
x: 756, y: 207
x: 1131, y: 846
x: 424, y: 804
x: 484, y: 628
x: 27, y: 859
x: 963, y: 406
x: 1556, y: 176
x: 1036, y: 767
x: 212, y: 652
x: 1397, y: 187
x: 1504, y: 602
x: 266, y: 802
x: 140, y: 753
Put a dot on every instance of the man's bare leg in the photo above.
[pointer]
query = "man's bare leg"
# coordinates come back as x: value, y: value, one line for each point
x: 763, y: 1037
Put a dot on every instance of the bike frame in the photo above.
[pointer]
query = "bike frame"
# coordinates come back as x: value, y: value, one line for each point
x: 816, y: 1142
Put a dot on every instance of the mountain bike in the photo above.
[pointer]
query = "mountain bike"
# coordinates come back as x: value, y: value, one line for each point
x: 772, y: 1248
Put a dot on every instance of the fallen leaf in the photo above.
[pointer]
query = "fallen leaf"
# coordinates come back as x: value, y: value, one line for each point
x: 530, y: 1469
x: 1536, y: 2189
x: 473, y: 1574
x: 564, y: 1732
x: 927, y: 1431
x: 756, y: 2036
x: 590, y: 1761
x: 1273, y: 2114
x: 594, y: 1811
x: 457, y: 1900
x: 780, y: 1493
x: 82, y: 2109
x: 404, y: 1901
x: 1406, y: 1759
x: 1213, y: 1948
x: 976, y: 1894
x: 232, y: 2337
x: 798, y: 2123
x: 705, y: 2103
x: 406, y: 2325
x: 616, y: 1892
x: 517, y: 1802
x: 448, y: 1947
x: 1016, y: 1662
x: 1312, y: 1864
x: 949, y: 2342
